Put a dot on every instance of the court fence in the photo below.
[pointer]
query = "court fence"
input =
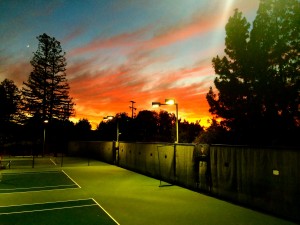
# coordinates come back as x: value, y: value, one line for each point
x: 266, y: 179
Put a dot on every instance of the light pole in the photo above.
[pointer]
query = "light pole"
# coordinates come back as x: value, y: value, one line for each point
x: 169, y: 102
x: 118, y: 130
x: 116, y: 151
x: 44, y: 142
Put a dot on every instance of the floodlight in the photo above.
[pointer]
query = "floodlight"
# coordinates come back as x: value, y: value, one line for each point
x: 156, y: 104
x: 108, y: 117
x: 170, y: 101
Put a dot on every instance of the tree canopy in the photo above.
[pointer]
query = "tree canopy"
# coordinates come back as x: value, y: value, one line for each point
x: 148, y: 126
x: 10, y: 102
x: 258, y: 79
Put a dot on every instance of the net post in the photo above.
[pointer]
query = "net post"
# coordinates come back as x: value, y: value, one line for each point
x: 62, y: 159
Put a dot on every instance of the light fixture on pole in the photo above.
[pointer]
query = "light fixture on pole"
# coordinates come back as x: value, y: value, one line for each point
x: 116, y: 147
x: 118, y: 132
x: 108, y: 117
x: 44, y: 143
x: 156, y: 104
x: 169, y: 102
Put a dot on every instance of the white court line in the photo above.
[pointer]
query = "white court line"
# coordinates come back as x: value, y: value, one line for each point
x: 40, y: 172
x: 19, y: 192
x: 32, y: 189
x: 53, y: 162
x: 42, y: 203
x: 66, y: 185
x: 105, y: 211
x: 71, y: 178
x: 57, y: 208
x: 42, y: 210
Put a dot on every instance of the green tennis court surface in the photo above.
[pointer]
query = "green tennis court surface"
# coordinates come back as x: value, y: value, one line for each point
x: 132, y: 198
x: 84, y: 211
x: 35, y: 181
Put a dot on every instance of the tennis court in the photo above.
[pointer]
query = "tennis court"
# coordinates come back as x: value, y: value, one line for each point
x: 82, y: 211
x: 128, y: 197
x: 35, y: 181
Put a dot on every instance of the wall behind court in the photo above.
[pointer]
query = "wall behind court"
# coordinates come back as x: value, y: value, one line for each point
x: 264, y: 178
x: 100, y: 150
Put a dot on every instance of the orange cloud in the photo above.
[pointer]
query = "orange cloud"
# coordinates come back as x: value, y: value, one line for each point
x: 18, y: 72
x: 140, y: 41
x: 102, y: 92
x: 129, y: 39
x: 197, y: 26
x: 74, y: 34
x: 109, y: 92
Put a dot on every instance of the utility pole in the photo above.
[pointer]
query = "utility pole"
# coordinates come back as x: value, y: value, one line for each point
x: 132, y: 108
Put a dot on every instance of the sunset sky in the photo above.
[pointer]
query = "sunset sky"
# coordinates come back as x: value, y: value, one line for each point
x: 123, y: 50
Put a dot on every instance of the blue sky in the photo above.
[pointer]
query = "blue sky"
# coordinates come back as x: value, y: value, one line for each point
x: 123, y: 50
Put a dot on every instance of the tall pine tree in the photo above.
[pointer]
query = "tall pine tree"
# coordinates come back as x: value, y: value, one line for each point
x: 46, y: 93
